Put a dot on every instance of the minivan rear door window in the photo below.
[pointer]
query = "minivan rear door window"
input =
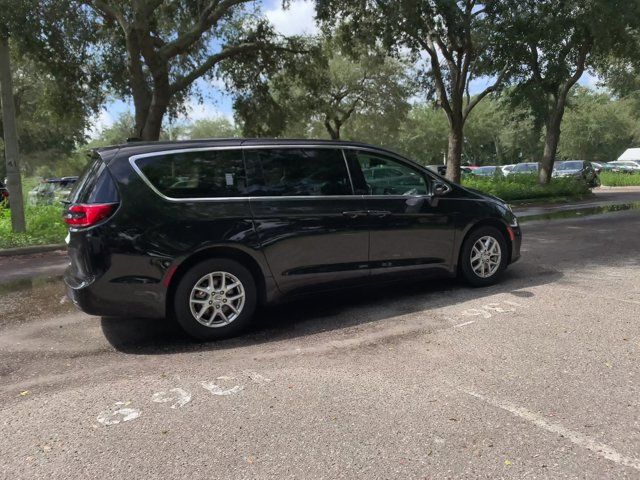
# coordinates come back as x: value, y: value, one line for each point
x: 297, y: 172
x: 196, y: 174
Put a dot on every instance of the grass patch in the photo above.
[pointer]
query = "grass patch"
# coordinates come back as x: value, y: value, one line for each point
x: 44, y: 226
x: 613, y: 179
x: 526, y: 187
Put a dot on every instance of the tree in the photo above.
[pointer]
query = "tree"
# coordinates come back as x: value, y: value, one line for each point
x: 553, y: 43
x: 50, y: 39
x: 328, y: 88
x: 597, y: 127
x: 453, y: 35
x: 155, y: 50
x: 423, y: 136
x: 10, y: 137
x: 118, y: 132
x: 219, y: 127
x: 50, y: 125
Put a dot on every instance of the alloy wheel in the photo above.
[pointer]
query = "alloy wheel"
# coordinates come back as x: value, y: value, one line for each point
x: 486, y: 256
x: 217, y: 299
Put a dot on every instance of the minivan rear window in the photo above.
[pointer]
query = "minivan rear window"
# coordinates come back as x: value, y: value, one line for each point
x: 95, y: 185
x: 204, y: 174
x: 297, y: 172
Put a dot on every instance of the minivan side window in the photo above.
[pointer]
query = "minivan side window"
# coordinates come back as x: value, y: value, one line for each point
x: 385, y: 176
x: 199, y: 174
x: 296, y: 172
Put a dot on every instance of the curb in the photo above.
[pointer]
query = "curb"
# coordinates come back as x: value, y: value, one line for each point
x: 9, y: 252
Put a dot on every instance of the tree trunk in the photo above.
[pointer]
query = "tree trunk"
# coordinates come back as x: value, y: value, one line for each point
x: 499, y: 153
x: 551, y: 139
x: 454, y: 152
x: 14, y: 181
x: 334, y: 132
x: 153, y: 122
x: 141, y: 105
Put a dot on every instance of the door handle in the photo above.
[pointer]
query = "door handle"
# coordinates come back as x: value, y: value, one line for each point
x: 355, y: 213
x: 379, y: 213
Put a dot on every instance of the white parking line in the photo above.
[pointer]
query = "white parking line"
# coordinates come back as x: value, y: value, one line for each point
x: 463, y: 324
x: 578, y: 438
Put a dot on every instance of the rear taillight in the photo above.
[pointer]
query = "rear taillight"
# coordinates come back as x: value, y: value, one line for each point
x: 4, y: 194
x: 87, y: 215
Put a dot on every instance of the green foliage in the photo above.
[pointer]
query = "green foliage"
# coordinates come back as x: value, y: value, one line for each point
x: 597, y: 127
x: 50, y: 124
x: 549, y: 45
x: 328, y: 90
x: 450, y: 42
x: 526, y: 187
x: 219, y: 127
x: 423, y: 136
x: 117, y: 133
x: 44, y: 226
x: 613, y: 179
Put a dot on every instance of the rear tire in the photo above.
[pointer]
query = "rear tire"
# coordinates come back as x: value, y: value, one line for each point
x: 483, y: 257
x: 215, y: 299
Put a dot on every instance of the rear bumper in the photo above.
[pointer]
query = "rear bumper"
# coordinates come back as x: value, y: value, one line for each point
x: 110, y: 299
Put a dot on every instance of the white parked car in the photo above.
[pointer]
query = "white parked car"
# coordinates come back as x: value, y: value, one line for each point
x: 628, y: 166
x: 506, y: 169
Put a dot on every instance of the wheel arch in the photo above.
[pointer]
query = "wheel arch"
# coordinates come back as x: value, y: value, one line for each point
x: 230, y: 253
x: 486, y: 222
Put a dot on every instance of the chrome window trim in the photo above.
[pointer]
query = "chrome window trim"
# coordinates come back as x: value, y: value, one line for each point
x: 346, y: 165
x: 132, y: 161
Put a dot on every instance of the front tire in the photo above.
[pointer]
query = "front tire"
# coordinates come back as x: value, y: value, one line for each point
x: 483, y: 257
x: 215, y: 299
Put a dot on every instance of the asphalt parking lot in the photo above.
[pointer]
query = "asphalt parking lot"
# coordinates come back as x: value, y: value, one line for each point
x: 537, y: 377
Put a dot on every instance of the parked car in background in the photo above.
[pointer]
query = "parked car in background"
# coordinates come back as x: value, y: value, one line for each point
x: 261, y: 220
x: 51, y: 190
x: 488, y: 171
x: 624, y: 166
x: 4, y: 193
x: 579, y: 169
x: 506, y: 169
x: 65, y: 188
x: 442, y: 170
x: 439, y: 169
x: 527, y: 168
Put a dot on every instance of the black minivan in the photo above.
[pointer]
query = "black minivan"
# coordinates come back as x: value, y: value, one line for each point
x: 206, y: 231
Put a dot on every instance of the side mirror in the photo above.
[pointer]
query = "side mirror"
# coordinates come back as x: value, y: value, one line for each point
x: 440, y: 188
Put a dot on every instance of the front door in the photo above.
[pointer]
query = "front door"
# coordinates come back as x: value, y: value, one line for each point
x: 311, y: 226
x: 410, y: 229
